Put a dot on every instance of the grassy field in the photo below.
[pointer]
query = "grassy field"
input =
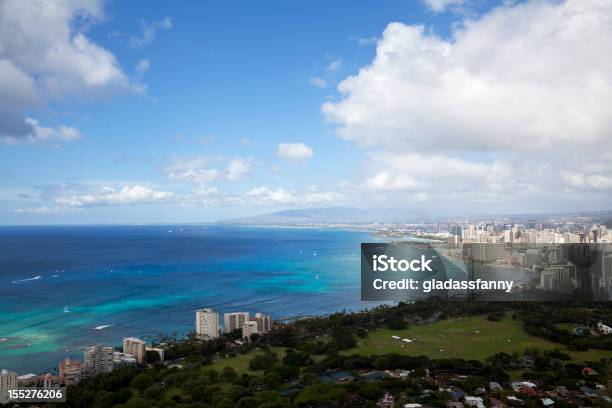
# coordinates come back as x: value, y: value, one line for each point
x: 447, y: 338
x: 567, y: 326
x: 240, y: 363
x: 458, y: 338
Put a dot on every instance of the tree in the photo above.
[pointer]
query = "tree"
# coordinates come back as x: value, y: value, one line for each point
x: 246, y: 402
x: 152, y: 356
x: 344, y: 338
x: 228, y: 374
x: 142, y: 381
x: 104, y: 399
x: 138, y: 402
x: 154, y: 392
x: 397, y: 323
x: 224, y: 403
x: 296, y: 358
x: 371, y: 391
x: 263, y: 361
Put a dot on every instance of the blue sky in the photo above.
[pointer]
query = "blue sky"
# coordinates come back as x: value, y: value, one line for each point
x: 198, y: 111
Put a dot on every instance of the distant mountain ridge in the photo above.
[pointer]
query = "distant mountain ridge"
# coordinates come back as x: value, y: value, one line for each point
x: 330, y: 215
x: 352, y: 215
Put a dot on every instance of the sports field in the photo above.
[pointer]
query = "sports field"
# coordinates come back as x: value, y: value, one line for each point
x: 467, y: 338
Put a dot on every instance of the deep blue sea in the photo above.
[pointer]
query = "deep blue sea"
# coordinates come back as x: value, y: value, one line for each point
x: 57, y: 284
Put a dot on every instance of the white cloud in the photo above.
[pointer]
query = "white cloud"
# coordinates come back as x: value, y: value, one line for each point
x: 45, y: 55
x: 142, y: 66
x: 581, y: 181
x: 265, y: 195
x: 238, y: 168
x: 334, y: 65
x: 316, y: 196
x: 511, y: 110
x: 367, y: 40
x: 523, y: 77
x: 39, y: 133
x: 202, y: 176
x: 294, y: 151
x: 202, y: 169
x: 441, y: 5
x: 44, y: 210
x: 110, y: 195
x: 149, y: 31
x: 385, y: 181
x: 318, y: 82
x: 508, y: 183
x: 283, y: 197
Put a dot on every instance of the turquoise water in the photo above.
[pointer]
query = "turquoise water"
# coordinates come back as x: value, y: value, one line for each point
x: 57, y: 284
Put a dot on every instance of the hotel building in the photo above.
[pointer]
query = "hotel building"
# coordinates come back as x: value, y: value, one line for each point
x: 207, y: 324
x: 135, y: 347
x: 98, y: 360
x: 264, y: 323
x: 8, y: 381
x: 234, y: 321
x: 123, y: 360
x: 249, y: 328
x: 70, y: 371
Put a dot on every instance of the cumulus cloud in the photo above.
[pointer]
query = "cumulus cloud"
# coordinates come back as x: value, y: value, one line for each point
x: 149, y: 30
x: 44, y: 210
x: 334, y: 65
x: 523, y: 77
x: 71, y: 197
x: 318, y: 82
x: 238, y: 168
x: 201, y: 176
x: 110, y: 195
x: 294, y: 151
x: 383, y: 181
x: 45, y: 55
x: 314, y: 195
x: 265, y: 195
x: 279, y: 196
x: 204, y: 170
x: 142, y: 66
x: 439, y: 6
x: 511, y: 107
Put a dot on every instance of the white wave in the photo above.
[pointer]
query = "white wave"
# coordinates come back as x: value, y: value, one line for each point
x: 26, y: 280
x: 102, y: 327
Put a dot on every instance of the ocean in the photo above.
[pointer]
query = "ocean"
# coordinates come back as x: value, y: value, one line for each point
x: 63, y: 288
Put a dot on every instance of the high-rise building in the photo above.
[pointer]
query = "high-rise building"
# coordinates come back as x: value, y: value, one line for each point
x: 249, y: 328
x: 98, y: 359
x: 606, y: 273
x: 70, y: 371
x: 158, y: 350
x: 135, y: 347
x: 264, y: 323
x: 207, y: 324
x: 560, y: 278
x: 234, y: 321
x: 8, y: 381
x: 123, y: 360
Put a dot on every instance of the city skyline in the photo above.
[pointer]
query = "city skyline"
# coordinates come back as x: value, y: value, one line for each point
x: 120, y: 113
